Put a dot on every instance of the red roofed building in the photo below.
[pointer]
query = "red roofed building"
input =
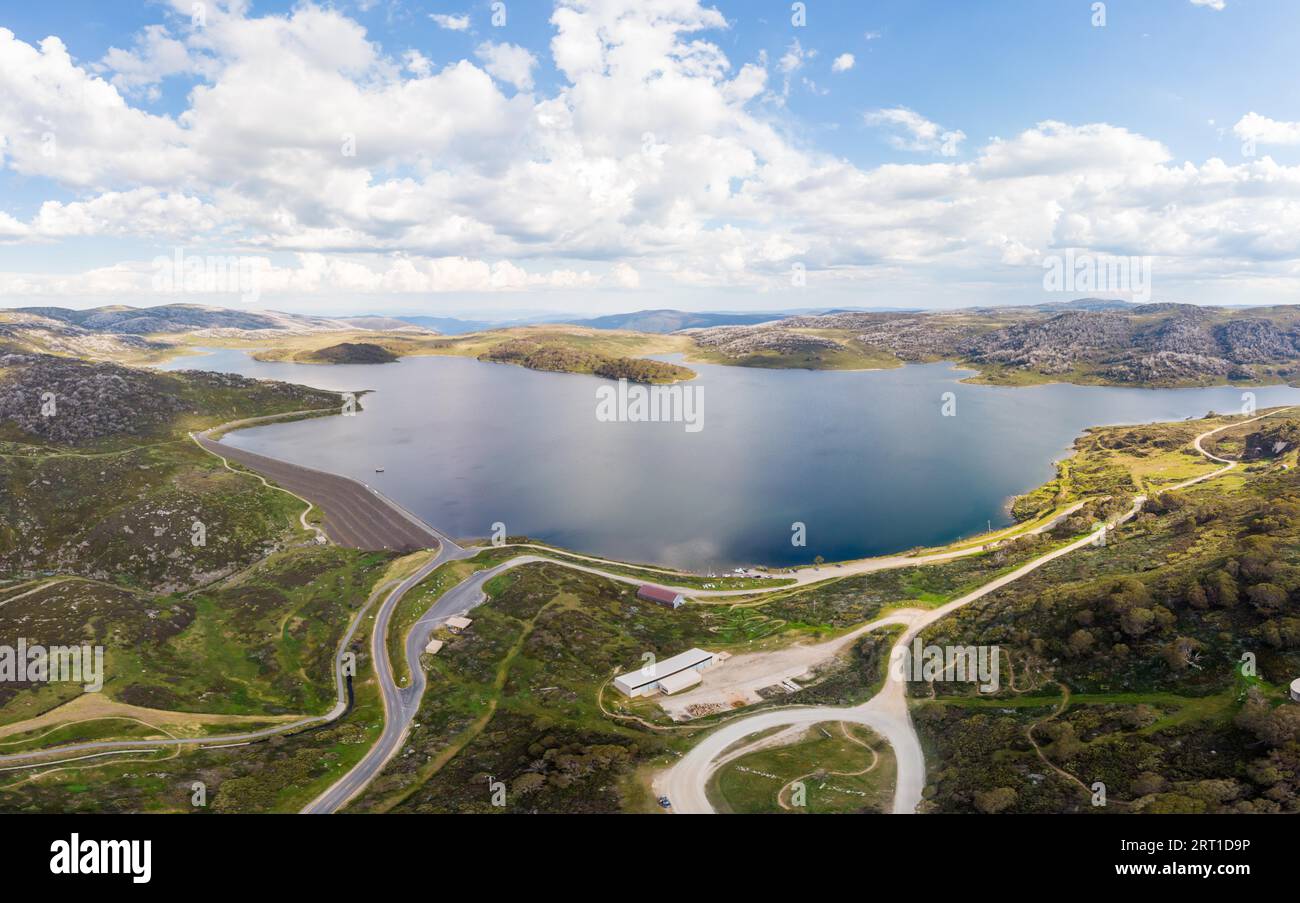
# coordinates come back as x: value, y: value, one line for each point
x: 660, y: 596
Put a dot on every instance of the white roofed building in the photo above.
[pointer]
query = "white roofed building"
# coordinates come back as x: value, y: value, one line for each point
x: 671, y: 675
x: 682, y: 680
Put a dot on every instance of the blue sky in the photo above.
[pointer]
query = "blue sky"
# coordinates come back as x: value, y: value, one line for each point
x: 709, y: 151
x: 1161, y: 67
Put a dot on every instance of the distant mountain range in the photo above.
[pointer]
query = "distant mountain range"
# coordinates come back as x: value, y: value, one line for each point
x: 1091, y: 304
x: 451, y: 325
x: 176, y: 318
x: 1085, y: 340
x: 666, y: 321
x: 120, y: 332
x: 658, y: 322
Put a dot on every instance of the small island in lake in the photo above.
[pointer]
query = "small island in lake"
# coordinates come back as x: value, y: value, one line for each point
x: 342, y: 353
x: 561, y: 358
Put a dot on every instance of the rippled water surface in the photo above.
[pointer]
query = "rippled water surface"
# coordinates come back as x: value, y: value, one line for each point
x: 865, y: 460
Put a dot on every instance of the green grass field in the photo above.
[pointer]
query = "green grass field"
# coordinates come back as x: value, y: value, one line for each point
x: 833, y: 768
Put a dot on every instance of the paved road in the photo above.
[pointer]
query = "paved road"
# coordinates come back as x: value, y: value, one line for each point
x: 818, y: 574
x: 402, y: 704
x: 91, y: 749
x: 356, y: 516
x: 887, y: 712
x: 396, y: 700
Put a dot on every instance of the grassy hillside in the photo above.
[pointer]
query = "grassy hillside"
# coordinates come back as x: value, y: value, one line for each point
x: 1123, y: 462
x: 1103, y: 344
x: 567, y: 349
x: 523, y: 696
x: 1123, y: 664
x: 309, y: 348
x: 261, y: 643
x: 281, y: 774
x: 109, y: 486
x: 558, y: 357
x: 1088, y: 341
x: 785, y: 347
x: 230, y: 627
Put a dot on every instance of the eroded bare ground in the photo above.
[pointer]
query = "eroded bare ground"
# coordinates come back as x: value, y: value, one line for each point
x: 737, y: 682
x: 97, y: 707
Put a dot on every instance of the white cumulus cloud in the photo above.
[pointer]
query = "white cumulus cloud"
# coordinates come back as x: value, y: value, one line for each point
x: 656, y: 163
x: 458, y: 22
x: 508, y: 62
x: 1263, y: 130
x: 914, y: 132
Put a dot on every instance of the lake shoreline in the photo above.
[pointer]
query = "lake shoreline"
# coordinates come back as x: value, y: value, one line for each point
x: 865, y: 460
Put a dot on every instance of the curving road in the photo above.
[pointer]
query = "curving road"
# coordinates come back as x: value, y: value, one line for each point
x: 56, y: 754
x: 382, y: 520
x: 887, y: 712
x: 357, y: 517
x: 402, y: 704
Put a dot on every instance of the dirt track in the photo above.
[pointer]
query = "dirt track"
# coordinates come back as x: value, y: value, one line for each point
x: 887, y: 713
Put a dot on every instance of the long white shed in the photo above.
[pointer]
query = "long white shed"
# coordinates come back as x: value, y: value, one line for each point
x: 652, y: 678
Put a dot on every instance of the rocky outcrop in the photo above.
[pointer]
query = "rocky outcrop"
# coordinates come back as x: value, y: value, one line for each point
x: 1255, y: 341
x: 741, y: 341
x: 71, y: 402
x: 1053, y: 346
x: 1171, y: 367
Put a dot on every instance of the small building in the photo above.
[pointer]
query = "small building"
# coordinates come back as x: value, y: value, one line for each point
x: 659, y: 677
x: 458, y: 624
x: 434, y: 647
x: 660, y: 596
x: 682, y: 680
x: 1295, y: 690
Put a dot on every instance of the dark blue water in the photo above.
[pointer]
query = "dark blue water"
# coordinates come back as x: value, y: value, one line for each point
x: 865, y: 460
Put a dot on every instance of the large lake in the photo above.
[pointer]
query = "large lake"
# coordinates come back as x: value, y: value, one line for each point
x: 866, y: 461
